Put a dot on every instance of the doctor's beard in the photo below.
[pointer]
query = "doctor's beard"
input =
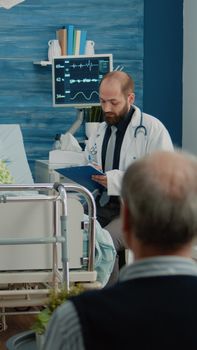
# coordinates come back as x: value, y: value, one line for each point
x: 114, y: 118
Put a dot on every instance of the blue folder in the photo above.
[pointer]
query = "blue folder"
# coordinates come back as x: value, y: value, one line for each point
x: 82, y: 175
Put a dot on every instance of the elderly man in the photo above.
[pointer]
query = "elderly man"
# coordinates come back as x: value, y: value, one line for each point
x: 154, y: 304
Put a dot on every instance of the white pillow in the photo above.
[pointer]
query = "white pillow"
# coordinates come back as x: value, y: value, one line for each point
x: 13, y: 152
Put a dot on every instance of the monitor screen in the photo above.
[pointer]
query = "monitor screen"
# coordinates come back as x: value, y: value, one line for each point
x: 75, y: 79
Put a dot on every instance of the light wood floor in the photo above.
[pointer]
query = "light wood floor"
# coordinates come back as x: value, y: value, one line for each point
x: 16, y: 324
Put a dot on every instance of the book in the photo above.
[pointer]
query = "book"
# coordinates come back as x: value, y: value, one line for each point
x: 77, y: 41
x: 82, y: 175
x: 61, y: 35
x: 74, y: 40
x: 70, y: 39
x: 83, y: 42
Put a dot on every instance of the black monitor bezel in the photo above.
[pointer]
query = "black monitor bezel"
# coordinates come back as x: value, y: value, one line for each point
x: 74, y: 105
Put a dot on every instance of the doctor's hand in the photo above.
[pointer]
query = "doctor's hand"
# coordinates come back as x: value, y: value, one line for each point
x: 96, y: 166
x: 101, y: 179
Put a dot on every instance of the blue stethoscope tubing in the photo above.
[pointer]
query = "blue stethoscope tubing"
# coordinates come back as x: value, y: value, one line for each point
x: 140, y: 127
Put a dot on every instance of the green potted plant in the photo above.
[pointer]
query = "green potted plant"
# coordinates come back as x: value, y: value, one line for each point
x: 56, y: 298
x: 93, y: 116
x: 5, y: 176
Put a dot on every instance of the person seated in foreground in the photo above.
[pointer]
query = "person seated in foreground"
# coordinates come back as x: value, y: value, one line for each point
x: 154, y: 303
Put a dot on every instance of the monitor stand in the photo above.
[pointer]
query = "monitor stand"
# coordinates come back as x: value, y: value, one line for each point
x: 78, y: 121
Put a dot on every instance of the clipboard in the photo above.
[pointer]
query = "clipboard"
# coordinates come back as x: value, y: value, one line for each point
x: 82, y: 175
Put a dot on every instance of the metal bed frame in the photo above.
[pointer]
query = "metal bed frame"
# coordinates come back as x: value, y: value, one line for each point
x: 25, y: 295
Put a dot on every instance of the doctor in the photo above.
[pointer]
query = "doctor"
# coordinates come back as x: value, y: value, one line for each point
x: 126, y: 135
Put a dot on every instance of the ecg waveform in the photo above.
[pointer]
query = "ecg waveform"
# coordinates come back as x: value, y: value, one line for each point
x: 89, y: 65
x: 85, y: 80
x: 86, y: 98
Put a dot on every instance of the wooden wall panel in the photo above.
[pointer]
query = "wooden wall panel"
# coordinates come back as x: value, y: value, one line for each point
x: 25, y: 88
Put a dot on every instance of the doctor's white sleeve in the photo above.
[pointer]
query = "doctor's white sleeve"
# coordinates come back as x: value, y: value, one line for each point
x: 114, y: 182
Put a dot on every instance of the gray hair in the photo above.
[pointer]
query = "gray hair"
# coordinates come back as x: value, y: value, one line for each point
x: 160, y: 191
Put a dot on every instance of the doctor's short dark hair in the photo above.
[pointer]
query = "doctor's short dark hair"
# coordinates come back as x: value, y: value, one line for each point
x: 160, y: 191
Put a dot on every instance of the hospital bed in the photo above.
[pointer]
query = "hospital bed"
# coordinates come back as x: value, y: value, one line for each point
x: 42, y: 243
x: 46, y: 240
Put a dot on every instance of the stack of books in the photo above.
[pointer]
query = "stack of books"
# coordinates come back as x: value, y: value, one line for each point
x: 72, y: 40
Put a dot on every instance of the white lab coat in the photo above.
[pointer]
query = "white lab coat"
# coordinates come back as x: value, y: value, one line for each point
x: 133, y: 148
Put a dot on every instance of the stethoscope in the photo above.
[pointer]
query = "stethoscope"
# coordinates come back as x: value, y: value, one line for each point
x: 93, y: 150
x: 140, y: 127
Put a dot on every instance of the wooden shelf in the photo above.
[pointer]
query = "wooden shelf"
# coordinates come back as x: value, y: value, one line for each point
x: 43, y: 63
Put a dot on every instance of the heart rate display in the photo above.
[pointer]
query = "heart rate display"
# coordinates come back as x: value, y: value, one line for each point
x: 89, y: 65
x: 76, y: 79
